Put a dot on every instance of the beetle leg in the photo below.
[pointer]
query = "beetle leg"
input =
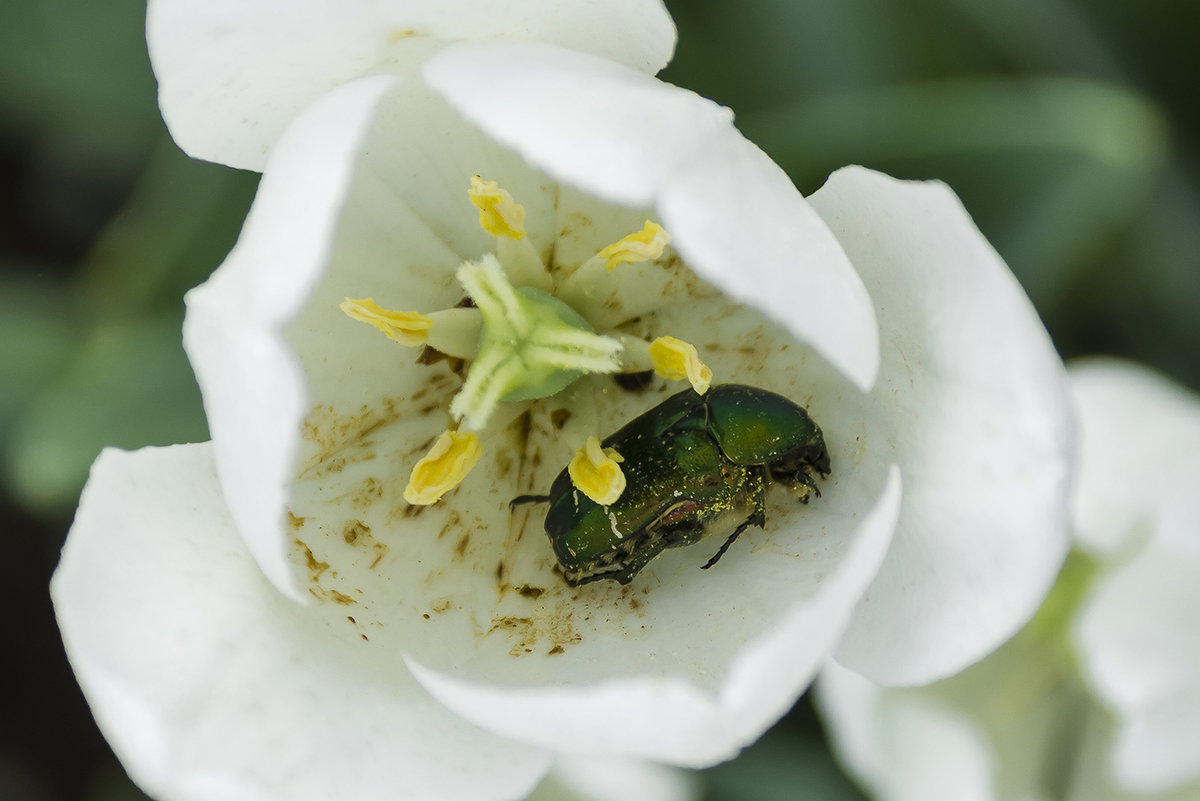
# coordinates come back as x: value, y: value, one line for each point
x: 805, y: 478
x: 520, y: 499
x: 754, y: 519
x: 800, y: 482
x: 757, y: 518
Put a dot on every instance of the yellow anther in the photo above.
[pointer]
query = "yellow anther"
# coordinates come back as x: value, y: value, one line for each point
x: 407, y: 328
x: 499, y: 214
x: 645, y: 245
x: 594, y: 472
x: 443, y: 468
x: 675, y: 360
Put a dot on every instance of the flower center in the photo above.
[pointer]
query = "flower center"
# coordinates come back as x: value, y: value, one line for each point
x: 533, y: 345
x: 525, y: 338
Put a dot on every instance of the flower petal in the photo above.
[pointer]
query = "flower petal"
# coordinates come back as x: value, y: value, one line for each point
x: 976, y: 402
x: 233, y: 73
x: 629, y: 139
x: 210, y: 684
x: 254, y: 392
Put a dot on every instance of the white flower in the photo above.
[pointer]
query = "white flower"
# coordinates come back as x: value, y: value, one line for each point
x: 879, y: 308
x: 1099, y: 697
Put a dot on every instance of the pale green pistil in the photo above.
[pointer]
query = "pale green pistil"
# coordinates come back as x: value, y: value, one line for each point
x: 532, y: 345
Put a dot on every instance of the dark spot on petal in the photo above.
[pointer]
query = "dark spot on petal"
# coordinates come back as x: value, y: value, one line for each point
x: 634, y: 382
x: 412, y: 511
x: 354, y: 530
x: 424, y: 446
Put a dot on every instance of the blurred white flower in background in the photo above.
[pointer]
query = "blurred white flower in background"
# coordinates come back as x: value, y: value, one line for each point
x: 1098, y: 698
x: 435, y: 651
x: 600, y: 780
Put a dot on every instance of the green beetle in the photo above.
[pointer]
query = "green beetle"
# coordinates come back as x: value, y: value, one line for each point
x: 694, y: 465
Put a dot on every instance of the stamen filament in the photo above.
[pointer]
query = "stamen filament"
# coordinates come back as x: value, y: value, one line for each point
x: 635, y: 354
x: 455, y: 332
x: 592, y: 282
x: 523, y: 264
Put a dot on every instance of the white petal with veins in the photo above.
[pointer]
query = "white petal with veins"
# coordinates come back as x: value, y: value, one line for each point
x: 209, y: 684
x: 978, y: 419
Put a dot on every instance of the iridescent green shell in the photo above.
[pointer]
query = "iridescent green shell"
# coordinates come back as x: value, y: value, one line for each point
x: 694, y: 465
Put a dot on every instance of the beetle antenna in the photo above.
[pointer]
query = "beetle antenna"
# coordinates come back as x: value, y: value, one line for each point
x: 527, y: 499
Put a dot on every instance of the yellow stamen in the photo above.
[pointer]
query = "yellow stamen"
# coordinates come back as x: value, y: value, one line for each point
x: 645, y: 245
x: 675, y: 360
x: 499, y: 214
x: 594, y: 472
x: 443, y: 468
x: 407, y: 328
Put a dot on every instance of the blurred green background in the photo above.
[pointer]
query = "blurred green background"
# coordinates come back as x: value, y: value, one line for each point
x: 1069, y: 128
